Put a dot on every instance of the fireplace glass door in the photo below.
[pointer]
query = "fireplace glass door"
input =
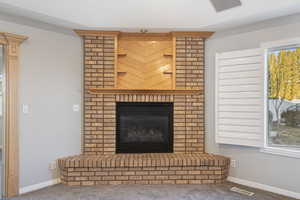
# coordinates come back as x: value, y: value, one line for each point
x: 144, y: 127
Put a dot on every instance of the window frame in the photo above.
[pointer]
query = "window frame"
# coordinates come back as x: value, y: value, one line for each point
x: 283, y: 151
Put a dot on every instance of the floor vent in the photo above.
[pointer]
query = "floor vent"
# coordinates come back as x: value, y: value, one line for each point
x: 241, y: 191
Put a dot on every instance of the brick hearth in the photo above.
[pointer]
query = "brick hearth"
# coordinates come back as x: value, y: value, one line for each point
x: 100, y: 165
x: 144, y: 169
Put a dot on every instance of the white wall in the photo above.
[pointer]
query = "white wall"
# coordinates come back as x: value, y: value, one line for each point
x: 50, y: 83
x: 252, y: 165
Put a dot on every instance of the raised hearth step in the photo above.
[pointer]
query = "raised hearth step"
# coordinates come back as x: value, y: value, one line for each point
x: 159, y: 168
x: 144, y: 160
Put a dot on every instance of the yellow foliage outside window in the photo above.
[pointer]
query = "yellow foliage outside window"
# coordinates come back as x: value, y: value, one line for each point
x: 284, y: 74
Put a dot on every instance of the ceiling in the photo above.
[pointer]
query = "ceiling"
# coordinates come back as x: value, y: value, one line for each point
x: 155, y: 15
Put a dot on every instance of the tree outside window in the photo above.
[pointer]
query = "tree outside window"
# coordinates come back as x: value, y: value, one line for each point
x: 284, y: 97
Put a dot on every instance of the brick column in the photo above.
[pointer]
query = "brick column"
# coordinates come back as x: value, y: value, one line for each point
x: 99, y: 111
x: 190, y: 108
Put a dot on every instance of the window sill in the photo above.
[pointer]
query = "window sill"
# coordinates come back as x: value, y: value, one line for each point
x: 282, y: 151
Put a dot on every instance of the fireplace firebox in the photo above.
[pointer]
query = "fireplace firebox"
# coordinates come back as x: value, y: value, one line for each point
x: 144, y: 127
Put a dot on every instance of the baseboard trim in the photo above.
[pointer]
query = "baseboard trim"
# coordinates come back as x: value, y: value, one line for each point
x: 38, y: 186
x: 264, y: 187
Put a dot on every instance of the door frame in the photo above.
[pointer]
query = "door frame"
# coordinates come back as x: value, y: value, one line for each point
x: 11, y: 44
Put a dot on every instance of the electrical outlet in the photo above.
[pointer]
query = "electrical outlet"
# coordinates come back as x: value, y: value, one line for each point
x: 233, y: 163
x: 25, y: 108
x: 52, y: 166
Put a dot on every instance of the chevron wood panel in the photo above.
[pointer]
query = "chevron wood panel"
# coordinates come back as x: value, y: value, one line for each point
x: 144, y: 63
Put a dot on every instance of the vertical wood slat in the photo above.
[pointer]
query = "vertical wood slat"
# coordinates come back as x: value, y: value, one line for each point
x: 116, y: 62
x: 174, y: 63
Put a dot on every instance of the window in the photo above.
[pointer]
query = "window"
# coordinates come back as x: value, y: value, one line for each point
x: 283, y: 98
x: 257, y: 97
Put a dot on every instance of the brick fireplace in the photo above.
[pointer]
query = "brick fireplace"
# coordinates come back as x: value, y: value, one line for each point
x: 102, y: 161
x: 100, y: 133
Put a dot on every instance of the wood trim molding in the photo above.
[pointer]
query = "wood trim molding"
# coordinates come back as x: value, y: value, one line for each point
x: 143, y: 91
x: 202, y: 34
x: 5, y: 38
x: 11, y: 146
x: 153, y: 35
x: 174, y: 63
x: 96, y: 32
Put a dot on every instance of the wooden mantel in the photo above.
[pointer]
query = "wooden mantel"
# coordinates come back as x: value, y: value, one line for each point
x: 144, y: 91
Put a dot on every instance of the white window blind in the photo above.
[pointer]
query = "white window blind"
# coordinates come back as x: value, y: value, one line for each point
x: 240, y: 97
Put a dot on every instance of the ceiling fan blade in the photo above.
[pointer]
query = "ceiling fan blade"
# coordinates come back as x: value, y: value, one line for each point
x: 221, y: 5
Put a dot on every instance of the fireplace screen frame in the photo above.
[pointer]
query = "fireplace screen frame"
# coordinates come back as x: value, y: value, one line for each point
x: 145, y: 147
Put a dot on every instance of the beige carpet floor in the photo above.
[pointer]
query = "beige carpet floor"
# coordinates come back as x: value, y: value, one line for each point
x: 147, y: 192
